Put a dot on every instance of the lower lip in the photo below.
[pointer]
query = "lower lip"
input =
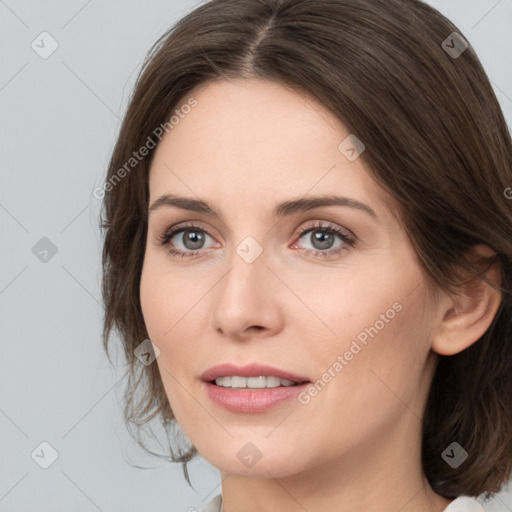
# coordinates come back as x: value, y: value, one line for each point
x: 251, y: 400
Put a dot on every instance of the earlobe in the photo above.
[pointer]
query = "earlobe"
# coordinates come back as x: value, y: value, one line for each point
x: 469, y: 314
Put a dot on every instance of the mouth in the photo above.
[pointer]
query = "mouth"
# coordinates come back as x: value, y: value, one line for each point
x: 259, y: 382
x: 252, y: 388
x: 252, y: 376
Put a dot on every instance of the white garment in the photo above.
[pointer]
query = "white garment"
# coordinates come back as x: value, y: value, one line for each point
x: 461, y: 504
x: 464, y: 504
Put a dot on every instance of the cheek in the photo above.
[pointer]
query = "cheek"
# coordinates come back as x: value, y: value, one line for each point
x: 167, y: 309
x: 156, y: 297
x: 377, y: 341
x: 175, y: 309
x: 357, y: 302
x: 167, y: 297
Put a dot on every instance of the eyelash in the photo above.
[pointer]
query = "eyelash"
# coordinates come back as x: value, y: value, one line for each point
x: 164, y: 239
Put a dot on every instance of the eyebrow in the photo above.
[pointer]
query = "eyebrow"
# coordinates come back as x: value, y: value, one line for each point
x: 284, y: 209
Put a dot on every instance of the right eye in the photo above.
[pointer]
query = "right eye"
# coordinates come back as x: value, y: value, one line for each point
x: 190, y: 237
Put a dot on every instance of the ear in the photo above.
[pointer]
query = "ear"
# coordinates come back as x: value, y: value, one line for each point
x: 467, y: 315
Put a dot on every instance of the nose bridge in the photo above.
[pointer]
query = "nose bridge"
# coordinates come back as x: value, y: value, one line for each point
x: 247, y: 277
x: 245, y: 298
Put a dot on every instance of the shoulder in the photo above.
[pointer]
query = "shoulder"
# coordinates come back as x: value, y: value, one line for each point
x: 464, y: 504
x: 215, y: 505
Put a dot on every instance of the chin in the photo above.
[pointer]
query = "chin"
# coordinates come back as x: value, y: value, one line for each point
x: 248, y: 459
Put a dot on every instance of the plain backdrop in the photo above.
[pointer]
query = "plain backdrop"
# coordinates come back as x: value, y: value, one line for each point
x: 59, y: 120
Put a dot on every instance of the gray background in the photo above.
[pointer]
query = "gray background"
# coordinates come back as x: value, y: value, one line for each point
x: 60, y: 116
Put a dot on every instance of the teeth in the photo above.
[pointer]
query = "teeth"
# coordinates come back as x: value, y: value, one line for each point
x: 238, y: 382
x: 253, y: 382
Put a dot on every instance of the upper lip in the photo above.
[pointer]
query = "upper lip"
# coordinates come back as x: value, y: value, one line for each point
x: 250, y: 370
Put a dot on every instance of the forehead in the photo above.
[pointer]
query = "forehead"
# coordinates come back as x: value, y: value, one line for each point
x: 257, y: 141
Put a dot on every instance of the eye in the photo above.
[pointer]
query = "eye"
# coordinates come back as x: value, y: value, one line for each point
x: 323, y: 239
x: 189, y: 240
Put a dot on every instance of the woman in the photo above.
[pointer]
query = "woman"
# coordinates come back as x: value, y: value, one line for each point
x: 308, y: 231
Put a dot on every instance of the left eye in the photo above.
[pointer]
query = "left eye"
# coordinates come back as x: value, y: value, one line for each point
x: 322, y: 238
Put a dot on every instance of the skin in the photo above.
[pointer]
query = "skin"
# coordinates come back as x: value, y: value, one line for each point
x: 355, y: 446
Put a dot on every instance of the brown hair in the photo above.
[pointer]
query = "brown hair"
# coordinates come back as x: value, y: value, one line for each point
x: 435, y: 139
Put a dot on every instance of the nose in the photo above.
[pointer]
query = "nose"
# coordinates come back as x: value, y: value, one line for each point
x: 248, y: 300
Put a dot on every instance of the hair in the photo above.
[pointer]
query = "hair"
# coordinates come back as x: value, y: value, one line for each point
x: 436, y: 140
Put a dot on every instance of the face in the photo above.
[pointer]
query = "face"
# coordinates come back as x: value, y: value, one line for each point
x: 330, y: 296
